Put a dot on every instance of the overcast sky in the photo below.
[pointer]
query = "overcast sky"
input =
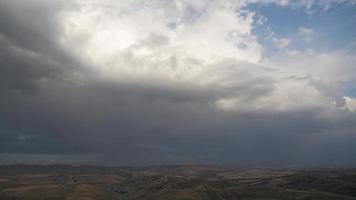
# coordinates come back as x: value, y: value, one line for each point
x: 137, y: 82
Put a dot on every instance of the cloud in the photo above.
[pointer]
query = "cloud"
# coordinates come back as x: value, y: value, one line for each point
x: 30, y: 51
x: 140, y: 82
x: 350, y: 104
x: 189, y: 20
x: 281, y: 43
x: 34, y: 26
x: 306, y: 33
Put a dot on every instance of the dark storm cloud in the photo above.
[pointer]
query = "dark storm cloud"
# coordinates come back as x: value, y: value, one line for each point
x: 132, y: 122
x: 33, y: 25
x: 75, y: 120
x: 30, y: 51
x: 24, y: 70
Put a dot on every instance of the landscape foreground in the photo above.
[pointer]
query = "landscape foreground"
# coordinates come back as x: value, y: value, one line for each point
x: 174, y: 182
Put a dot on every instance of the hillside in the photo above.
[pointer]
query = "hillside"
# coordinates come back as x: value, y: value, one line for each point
x: 23, y: 182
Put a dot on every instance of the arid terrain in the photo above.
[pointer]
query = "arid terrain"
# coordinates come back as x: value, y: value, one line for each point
x: 174, y: 182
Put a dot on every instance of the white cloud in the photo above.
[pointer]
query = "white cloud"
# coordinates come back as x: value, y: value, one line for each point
x: 261, y: 20
x: 292, y: 52
x: 209, y: 45
x: 281, y: 43
x: 278, y: 2
x: 324, y: 73
x: 306, y: 33
x: 350, y: 103
x: 200, y: 30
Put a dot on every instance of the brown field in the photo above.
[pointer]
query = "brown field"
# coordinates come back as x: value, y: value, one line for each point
x: 23, y: 182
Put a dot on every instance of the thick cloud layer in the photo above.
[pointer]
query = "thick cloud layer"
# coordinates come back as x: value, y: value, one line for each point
x: 152, y: 82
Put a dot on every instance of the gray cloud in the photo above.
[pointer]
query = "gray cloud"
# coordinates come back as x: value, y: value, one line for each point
x: 73, y: 120
x: 29, y: 42
x: 33, y: 25
x: 23, y: 69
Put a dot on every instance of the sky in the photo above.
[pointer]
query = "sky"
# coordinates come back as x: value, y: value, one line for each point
x: 151, y: 82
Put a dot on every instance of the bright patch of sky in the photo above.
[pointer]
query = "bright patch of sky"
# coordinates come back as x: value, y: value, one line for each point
x: 319, y: 28
x: 330, y: 29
